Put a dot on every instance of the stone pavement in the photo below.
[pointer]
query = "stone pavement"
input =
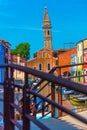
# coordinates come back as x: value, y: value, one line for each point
x: 63, y: 123
x: 75, y: 122
x: 56, y: 124
x: 53, y: 124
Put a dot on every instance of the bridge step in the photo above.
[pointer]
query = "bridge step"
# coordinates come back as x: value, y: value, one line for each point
x: 56, y: 124
x: 53, y: 124
x: 75, y: 122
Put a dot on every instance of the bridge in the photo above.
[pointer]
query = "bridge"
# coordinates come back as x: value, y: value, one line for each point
x: 53, y: 113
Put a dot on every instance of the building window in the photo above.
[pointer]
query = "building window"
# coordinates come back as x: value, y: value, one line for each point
x: 45, y: 55
x: 77, y: 59
x: 78, y: 47
x: 48, y: 32
x: 6, y: 50
x: 56, y: 62
x: 40, y: 66
x: 48, y: 66
x: 6, y: 60
x: 84, y: 57
x: 79, y: 73
x: 80, y: 59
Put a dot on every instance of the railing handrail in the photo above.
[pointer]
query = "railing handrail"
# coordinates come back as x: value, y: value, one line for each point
x: 52, y: 78
x: 59, y: 106
x: 56, y: 80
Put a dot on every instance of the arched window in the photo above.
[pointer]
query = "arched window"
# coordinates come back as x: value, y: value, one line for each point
x: 48, y: 66
x: 6, y: 50
x: 40, y: 66
x: 48, y: 32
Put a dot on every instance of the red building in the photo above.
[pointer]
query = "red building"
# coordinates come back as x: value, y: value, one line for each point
x: 65, y: 58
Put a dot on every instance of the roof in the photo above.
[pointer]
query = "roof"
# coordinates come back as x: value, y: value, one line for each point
x: 68, y: 50
x: 4, y: 42
x: 46, y: 20
x: 81, y: 41
x: 35, y: 54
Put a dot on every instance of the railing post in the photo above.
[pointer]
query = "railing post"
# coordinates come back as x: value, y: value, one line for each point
x: 8, y: 98
x: 26, y: 104
x: 59, y: 96
x: 11, y: 98
x: 6, y: 101
x: 53, y: 98
x: 34, y: 106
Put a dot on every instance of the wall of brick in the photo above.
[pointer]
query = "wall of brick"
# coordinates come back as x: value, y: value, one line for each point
x: 44, y: 57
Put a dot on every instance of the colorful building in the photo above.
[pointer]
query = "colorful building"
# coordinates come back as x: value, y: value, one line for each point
x: 5, y: 56
x: 73, y: 68
x: 85, y: 60
x: 81, y: 58
x: 85, y: 67
x: 65, y: 58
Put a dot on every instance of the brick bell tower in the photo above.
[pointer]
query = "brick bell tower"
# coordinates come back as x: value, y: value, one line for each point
x: 47, y: 30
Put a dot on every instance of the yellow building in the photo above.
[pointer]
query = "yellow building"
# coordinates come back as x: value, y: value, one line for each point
x: 81, y: 52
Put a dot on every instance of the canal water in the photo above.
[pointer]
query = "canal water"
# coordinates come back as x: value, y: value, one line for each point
x: 17, y: 97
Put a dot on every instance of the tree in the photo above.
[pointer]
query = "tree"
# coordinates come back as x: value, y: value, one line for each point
x: 23, y: 49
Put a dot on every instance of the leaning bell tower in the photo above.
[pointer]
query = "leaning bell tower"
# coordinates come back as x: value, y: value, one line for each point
x: 47, y: 30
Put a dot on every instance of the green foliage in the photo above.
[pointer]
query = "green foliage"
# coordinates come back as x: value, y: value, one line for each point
x: 23, y: 49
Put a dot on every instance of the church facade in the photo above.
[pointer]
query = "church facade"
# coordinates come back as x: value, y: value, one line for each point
x: 47, y: 58
x: 43, y: 59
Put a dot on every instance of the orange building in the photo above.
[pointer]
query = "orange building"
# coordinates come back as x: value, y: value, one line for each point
x: 65, y: 59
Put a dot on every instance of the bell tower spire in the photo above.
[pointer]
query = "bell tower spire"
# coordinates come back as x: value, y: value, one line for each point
x: 47, y: 30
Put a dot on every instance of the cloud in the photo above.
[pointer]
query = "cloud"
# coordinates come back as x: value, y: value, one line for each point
x: 31, y: 28
x: 24, y: 28
x: 21, y: 28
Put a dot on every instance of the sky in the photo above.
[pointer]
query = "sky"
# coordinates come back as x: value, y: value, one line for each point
x: 22, y: 20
